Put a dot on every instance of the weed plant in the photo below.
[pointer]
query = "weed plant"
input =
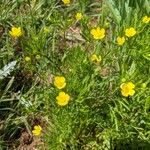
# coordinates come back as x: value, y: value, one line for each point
x: 75, y: 74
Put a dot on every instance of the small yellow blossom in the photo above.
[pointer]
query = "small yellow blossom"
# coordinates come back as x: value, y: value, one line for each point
x: 146, y: 19
x: 27, y: 58
x: 66, y: 2
x: 120, y: 40
x: 143, y: 85
x: 46, y: 30
x: 130, y: 32
x: 98, y: 33
x: 59, y: 82
x: 107, y: 24
x: 95, y: 58
x: 78, y: 16
x: 38, y: 57
x: 37, y: 130
x: 127, y: 89
x: 15, y: 32
x: 62, y: 99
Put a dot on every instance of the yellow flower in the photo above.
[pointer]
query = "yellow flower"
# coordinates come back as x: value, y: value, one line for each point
x: 120, y: 40
x: 15, y: 32
x: 143, y: 85
x: 98, y: 33
x: 46, y: 30
x: 27, y: 58
x: 127, y: 89
x: 130, y: 32
x: 146, y: 19
x: 38, y: 57
x: 62, y: 99
x: 78, y: 16
x: 59, y: 82
x: 37, y: 130
x: 95, y: 58
x: 66, y: 2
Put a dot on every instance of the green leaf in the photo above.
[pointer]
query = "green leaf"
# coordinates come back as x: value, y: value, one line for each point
x: 147, y: 104
x: 114, y: 10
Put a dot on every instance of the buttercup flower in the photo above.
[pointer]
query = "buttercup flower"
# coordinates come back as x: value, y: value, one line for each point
x: 120, y: 40
x: 15, y: 32
x: 27, y: 58
x: 78, y: 16
x: 127, y: 89
x: 98, y: 33
x: 37, y: 130
x: 66, y: 2
x: 62, y: 99
x: 130, y: 32
x: 146, y: 19
x: 95, y: 58
x: 59, y: 82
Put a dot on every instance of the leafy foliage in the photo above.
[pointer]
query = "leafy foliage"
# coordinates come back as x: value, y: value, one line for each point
x: 96, y: 116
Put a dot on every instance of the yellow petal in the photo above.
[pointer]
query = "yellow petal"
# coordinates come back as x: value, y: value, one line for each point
x: 93, y: 32
x: 132, y: 92
x: 36, y: 133
x: 38, y: 127
x: 131, y: 85
x: 122, y: 85
x: 124, y: 93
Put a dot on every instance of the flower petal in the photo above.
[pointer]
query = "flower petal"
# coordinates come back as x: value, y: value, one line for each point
x: 131, y: 85
x: 132, y: 92
x: 125, y: 94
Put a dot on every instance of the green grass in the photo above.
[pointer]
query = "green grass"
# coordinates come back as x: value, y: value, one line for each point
x: 97, y: 116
